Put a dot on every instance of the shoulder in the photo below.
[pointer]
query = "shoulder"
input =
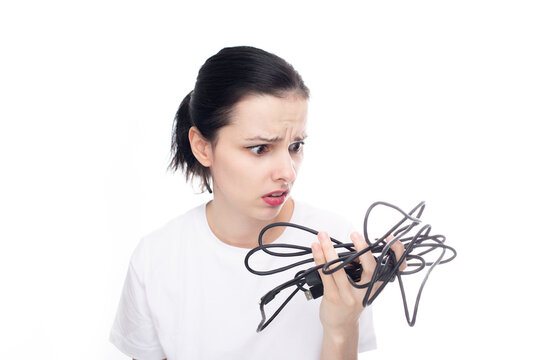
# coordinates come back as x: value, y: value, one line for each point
x: 170, y: 238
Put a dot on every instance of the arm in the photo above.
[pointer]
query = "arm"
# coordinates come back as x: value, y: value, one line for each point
x: 341, y: 304
x: 340, y: 344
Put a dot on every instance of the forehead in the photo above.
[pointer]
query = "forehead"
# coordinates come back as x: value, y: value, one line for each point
x: 268, y: 116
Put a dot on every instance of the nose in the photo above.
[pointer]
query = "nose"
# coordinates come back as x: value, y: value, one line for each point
x: 285, y: 168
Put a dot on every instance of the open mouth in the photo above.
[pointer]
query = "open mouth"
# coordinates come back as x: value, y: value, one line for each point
x: 278, y: 194
x: 275, y: 198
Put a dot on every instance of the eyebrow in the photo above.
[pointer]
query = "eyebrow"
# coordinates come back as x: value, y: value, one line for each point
x: 275, y: 139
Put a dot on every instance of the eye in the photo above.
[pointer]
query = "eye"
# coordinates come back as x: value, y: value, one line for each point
x: 258, y: 149
x: 297, y: 147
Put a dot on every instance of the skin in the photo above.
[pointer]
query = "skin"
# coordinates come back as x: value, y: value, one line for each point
x: 341, y: 304
x: 245, y: 170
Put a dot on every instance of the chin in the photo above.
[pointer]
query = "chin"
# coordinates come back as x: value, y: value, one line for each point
x: 270, y: 212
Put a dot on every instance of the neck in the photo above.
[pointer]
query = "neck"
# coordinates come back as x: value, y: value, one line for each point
x: 240, y: 230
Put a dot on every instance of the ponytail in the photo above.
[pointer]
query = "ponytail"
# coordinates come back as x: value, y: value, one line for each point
x: 183, y: 157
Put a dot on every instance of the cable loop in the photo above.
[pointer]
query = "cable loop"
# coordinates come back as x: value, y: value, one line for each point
x: 386, y: 269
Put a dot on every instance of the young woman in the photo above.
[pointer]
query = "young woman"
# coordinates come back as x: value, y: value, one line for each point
x: 187, y: 294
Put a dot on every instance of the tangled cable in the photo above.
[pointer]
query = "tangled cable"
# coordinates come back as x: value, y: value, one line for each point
x: 386, y: 270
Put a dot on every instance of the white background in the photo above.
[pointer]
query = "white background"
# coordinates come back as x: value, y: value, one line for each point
x: 411, y: 101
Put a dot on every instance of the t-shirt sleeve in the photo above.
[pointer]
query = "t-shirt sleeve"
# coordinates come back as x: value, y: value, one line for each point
x: 133, y: 331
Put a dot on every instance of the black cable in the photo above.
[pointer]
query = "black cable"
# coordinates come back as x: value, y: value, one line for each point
x: 386, y: 270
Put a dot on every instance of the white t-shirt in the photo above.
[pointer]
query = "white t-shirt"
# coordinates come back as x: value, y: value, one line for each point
x: 188, y: 295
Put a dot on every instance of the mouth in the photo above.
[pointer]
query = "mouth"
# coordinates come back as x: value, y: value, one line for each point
x: 275, y: 198
x: 277, y: 194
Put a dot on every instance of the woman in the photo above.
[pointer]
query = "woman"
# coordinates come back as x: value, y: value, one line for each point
x: 187, y: 294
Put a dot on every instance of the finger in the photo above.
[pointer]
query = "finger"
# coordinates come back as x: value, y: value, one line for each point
x: 366, y: 260
x: 329, y: 285
x: 340, y: 277
x: 399, y: 249
x: 368, y: 263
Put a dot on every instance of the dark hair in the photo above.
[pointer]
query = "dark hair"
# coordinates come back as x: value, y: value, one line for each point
x: 223, y: 80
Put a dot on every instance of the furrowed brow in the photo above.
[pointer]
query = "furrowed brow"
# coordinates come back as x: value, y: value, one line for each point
x: 260, y: 138
x: 274, y: 139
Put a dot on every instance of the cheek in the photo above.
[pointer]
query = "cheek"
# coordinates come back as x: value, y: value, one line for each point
x: 233, y: 172
x: 298, y: 162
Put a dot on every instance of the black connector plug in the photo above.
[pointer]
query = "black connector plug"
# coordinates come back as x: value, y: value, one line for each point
x: 353, y: 270
x: 313, y: 280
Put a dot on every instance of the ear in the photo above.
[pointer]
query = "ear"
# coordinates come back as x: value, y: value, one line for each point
x: 201, y: 148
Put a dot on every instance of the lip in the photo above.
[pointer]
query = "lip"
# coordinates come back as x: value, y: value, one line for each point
x: 285, y: 192
x: 276, y: 200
